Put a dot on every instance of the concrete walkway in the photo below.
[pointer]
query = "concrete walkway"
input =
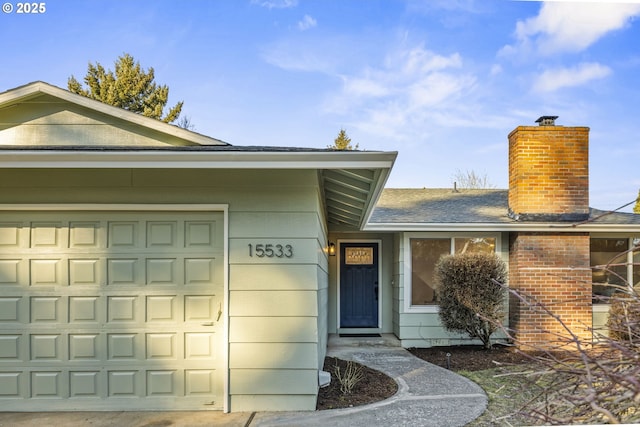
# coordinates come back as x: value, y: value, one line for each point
x: 427, y: 396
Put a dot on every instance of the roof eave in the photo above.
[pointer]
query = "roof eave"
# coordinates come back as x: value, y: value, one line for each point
x: 25, y: 158
x: 507, y: 227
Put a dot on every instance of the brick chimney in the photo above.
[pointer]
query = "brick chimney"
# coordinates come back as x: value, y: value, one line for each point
x: 549, y: 172
x: 549, y: 182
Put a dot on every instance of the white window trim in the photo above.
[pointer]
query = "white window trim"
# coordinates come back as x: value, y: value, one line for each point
x: 407, y: 267
x: 630, y: 239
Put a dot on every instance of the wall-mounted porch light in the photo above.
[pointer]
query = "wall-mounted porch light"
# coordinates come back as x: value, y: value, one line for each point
x: 332, y: 249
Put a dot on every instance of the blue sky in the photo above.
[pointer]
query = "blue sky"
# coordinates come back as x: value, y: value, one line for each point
x: 442, y: 82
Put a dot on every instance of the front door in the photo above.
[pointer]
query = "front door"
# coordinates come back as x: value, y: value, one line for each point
x: 359, y: 287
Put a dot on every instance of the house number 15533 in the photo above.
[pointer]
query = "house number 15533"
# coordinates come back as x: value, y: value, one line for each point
x: 268, y: 250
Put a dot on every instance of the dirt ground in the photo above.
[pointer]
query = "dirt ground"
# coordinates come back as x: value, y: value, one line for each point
x: 376, y: 386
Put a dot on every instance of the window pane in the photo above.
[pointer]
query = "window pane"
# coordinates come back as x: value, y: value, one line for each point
x: 424, y: 256
x: 475, y: 245
x: 603, y: 252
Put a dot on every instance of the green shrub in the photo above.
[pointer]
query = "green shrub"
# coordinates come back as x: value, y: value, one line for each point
x: 470, y: 299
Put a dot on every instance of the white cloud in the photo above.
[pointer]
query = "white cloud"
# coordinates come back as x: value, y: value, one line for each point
x: 496, y: 69
x: 570, y: 27
x: 306, y: 23
x: 554, y: 79
x: 410, y: 90
x: 276, y: 4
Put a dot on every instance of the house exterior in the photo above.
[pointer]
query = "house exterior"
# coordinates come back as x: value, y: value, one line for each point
x: 147, y: 267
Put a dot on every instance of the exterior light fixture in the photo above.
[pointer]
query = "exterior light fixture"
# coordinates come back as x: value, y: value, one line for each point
x: 332, y: 249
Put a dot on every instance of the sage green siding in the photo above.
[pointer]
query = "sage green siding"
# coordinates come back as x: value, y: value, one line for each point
x: 277, y: 322
x: 47, y: 120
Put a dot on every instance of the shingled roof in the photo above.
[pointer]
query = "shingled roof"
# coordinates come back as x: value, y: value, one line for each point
x: 465, y: 206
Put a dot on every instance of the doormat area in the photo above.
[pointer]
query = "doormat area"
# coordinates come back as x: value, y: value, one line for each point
x: 360, y: 335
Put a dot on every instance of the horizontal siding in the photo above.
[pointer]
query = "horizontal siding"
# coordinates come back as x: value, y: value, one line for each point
x: 274, y: 224
x: 42, y: 121
x: 273, y: 303
x: 273, y: 381
x: 274, y: 402
x: 272, y: 277
x: 272, y: 329
x: 272, y: 356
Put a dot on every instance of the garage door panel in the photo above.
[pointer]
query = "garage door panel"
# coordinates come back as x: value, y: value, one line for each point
x: 10, y: 348
x: 123, y: 235
x: 200, y: 345
x: 84, y: 347
x: 124, y: 309
x: 124, y: 271
x: 163, y: 383
x: 11, y: 309
x: 85, y: 384
x: 161, y: 271
x: 13, y: 272
x: 48, y: 272
x: 161, y: 346
x: 86, y: 272
x: 125, y: 383
x: 162, y: 308
x: 202, y: 308
x: 46, y: 309
x: 12, y: 385
x: 47, y: 384
x: 47, y: 347
x: 86, y: 234
x: 103, y: 307
x: 48, y: 235
x: 124, y: 346
x: 85, y: 309
x: 162, y: 234
x: 10, y: 235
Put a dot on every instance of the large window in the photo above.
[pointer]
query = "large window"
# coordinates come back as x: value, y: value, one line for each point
x: 614, y: 253
x: 425, y: 253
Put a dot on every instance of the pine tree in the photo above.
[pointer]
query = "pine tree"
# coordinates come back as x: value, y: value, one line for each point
x: 130, y: 87
x: 342, y: 142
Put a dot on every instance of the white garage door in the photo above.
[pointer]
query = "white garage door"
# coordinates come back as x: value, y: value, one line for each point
x: 111, y: 310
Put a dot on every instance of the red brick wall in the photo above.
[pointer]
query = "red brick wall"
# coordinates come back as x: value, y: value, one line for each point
x: 551, y: 269
x: 549, y: 170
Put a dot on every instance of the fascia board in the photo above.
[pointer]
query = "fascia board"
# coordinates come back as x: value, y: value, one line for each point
x: 192, y: 159
x: 374, y: 196
x: 540, y: 227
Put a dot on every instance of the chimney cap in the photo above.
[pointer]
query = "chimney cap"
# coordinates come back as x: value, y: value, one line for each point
x: 547, y: 120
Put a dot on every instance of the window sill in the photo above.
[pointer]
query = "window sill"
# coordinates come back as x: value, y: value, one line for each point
x: 423, y: 309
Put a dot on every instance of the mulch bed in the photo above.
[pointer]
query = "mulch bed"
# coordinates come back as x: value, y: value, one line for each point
x: 471, y: 357
x: 375, y: 386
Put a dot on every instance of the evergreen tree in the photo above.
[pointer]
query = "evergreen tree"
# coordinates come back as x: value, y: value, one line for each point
x: 342, y: 142
x: 129, y: 87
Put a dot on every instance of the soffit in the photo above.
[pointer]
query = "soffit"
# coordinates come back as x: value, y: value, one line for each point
x: 349, y: 195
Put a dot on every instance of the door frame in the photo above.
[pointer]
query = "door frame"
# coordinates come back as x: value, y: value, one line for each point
x: 165, y: 207
x: 377, y: 329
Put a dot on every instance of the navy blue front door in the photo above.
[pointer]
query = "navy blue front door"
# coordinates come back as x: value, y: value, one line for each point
x: 359, y: 288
